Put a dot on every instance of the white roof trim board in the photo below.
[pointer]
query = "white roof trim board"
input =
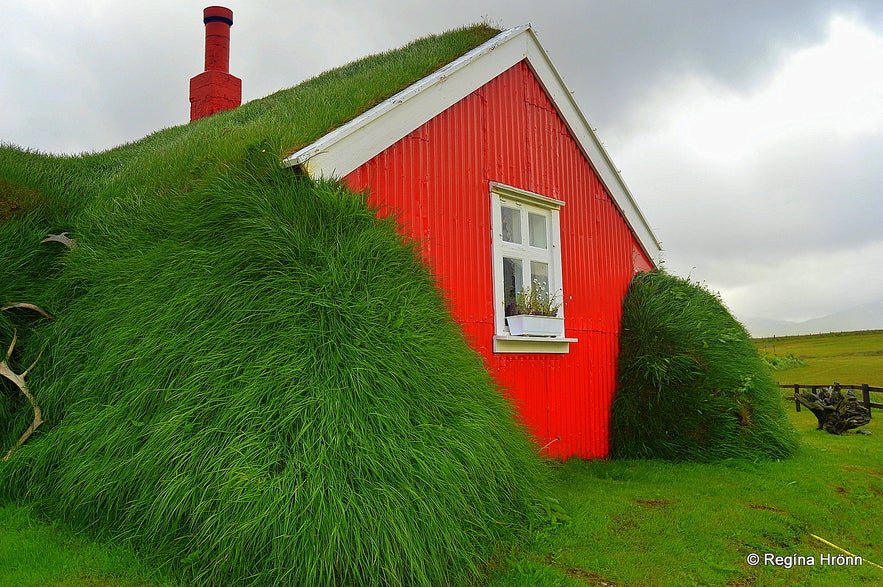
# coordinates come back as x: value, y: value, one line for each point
x: 347, y: 147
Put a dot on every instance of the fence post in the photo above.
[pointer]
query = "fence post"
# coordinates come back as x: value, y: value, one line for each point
x: 866, y: 396
x: 796, y: 391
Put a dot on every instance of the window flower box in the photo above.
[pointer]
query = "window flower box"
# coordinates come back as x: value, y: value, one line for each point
x: 530, y: 325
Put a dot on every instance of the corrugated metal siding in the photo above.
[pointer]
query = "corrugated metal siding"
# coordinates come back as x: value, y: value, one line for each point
x: 435, y: 182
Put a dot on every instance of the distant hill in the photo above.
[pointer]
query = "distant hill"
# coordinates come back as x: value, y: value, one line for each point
x: 864, y: 317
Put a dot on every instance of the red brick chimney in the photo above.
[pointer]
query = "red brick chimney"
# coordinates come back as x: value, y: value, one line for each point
x: 215, y: 89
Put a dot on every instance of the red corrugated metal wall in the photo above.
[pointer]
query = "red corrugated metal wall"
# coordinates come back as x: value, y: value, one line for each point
x: 436, y: 182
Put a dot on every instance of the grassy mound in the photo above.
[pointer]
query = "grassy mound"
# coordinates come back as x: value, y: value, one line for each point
x: 260, y: 382
x: 691, y: 383
x: 251, y: 377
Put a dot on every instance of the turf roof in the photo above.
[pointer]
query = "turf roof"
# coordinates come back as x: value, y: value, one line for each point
x: 273, y: 126
x: 248, y: 369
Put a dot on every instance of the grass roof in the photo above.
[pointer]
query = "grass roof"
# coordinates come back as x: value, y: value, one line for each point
x: 278, y: 125
x: 250, y: 376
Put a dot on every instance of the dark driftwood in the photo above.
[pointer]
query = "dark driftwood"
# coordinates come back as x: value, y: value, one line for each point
x: 836, y: 411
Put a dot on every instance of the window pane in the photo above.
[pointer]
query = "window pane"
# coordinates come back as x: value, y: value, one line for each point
x: 512, y: 283
x: 537, y: 229
x: 511, y: 221
x: 539, y: 275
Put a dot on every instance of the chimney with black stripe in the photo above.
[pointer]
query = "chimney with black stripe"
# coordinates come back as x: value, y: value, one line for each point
x: 215, y: 89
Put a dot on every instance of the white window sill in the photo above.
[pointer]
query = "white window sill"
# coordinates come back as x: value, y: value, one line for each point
x: 532, y: 344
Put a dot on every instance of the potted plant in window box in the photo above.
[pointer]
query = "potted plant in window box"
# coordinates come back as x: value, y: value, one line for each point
x: 535, y: 313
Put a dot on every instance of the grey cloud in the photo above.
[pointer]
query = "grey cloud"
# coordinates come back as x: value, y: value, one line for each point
x: 88, y: 76
x: 627, y: 48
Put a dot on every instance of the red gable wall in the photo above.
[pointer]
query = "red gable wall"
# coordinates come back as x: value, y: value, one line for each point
x: 436, y: 182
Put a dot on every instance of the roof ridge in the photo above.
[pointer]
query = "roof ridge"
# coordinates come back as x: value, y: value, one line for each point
x: 436, y: 77
x: 342, y: 150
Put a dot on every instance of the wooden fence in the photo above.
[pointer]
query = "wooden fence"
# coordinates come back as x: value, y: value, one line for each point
x: 864, y: 388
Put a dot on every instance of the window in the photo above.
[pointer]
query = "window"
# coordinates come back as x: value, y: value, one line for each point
x: 527, y: 253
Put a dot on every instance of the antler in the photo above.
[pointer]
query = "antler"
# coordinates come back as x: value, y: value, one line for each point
x: 19, y: 378
x: 33, y: 307
x: 61, y: 238
x: 19, y: 381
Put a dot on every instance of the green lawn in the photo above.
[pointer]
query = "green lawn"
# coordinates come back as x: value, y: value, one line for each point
x: 633, y: 523
x: 850, y: 357
x: 648, y: 523
x: 35, y: 553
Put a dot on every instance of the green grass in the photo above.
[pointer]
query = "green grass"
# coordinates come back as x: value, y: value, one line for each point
x: 657, y: 523
x: 265, y: 408
x: 252, y: 380
x: 640, y: 523
x: 36, y: 553
x: 849, y: 357
x: 691, y: 385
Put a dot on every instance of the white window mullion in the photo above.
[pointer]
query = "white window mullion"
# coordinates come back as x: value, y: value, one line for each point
x: 526, y: 243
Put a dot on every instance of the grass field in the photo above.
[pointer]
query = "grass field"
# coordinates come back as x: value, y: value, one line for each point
x: 632, y: 523
x: 849, y: 357
x: 654, y: 523
x: 35, y: 553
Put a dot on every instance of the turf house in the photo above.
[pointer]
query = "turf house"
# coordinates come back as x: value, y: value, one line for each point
x: 489, y: 165
x: 290, y: 342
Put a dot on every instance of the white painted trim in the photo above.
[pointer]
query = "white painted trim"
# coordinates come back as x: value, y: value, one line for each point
x: 557, y: 90
x: 511, y: 193
x: 532, y: 344
x: 500, y: 194
x: 349, y: 146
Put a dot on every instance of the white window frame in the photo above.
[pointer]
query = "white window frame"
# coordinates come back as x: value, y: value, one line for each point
x: 503, y: 195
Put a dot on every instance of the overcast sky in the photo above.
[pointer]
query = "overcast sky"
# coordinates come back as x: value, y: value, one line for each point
x: 750, y: 132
